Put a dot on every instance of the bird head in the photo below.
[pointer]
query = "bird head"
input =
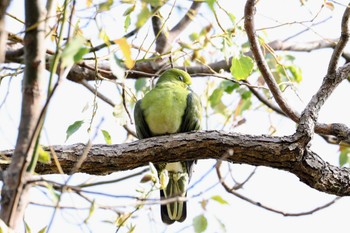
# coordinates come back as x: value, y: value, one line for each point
x: 175, y: 76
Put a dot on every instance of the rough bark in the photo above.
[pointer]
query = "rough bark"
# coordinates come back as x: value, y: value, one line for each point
x: 14, y: 192
x: 282, y: 153
x: 3, y: 34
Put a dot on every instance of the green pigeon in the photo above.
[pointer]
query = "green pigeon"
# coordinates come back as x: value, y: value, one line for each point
x: 170, y: 107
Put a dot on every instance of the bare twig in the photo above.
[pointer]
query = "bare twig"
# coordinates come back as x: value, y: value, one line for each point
x: 328, y: 129
x: 164, y: 42
x: 261, y: 62
x: 233, y: 191
x: 344, y: 38
x: 3, y: 33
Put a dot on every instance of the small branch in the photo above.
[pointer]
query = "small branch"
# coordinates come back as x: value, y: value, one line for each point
x: 85, y: 70
x: 186, y: 20
x: 3, y: 33
x: 265, y: 101
x: 327, y: 129
x: 261, y: 62
x: 165, y: 39
x: 344, y: 38
x: 99, y: 94
x: 158, y: 30
x: 258, y: 204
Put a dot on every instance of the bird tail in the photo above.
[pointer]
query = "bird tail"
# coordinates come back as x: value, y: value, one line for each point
x: 176, y: 187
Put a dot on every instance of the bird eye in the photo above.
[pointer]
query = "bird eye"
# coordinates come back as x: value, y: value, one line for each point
x: 180, y: 78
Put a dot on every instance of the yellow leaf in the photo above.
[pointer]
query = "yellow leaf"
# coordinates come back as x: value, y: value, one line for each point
x: 44, y: 156
x: 103, y: 35
x: 126, y: 50
x: 329, y: 5
x: 88, y: 3
x: 120, y: 221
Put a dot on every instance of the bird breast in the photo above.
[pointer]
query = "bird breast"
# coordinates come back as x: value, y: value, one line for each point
x: 165, y: 110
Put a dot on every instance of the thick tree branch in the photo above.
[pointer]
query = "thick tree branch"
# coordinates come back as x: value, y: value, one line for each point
x: 309, y: 116
x: 276, y: 152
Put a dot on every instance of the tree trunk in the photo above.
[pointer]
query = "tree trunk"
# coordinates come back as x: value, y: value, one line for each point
x: 14, y: 192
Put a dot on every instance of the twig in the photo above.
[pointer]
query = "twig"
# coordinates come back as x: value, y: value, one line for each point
x: 286, y: 214
x: 261, y: 62
x: 341, y: 43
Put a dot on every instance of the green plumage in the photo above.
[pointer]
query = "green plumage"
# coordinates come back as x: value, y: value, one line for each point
x: 170, y: 107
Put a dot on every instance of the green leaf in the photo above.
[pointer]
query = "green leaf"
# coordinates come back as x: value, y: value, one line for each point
x: 103, y: 35
x: 74, y: 51
x: 228, y: 86
x: 344, y: 157
x: 27, y: 227
x: 143, y: 16
x: 200, y: 223
x: 140, y: 84
x: 131, y: 228
x: 219, y: 199
x: 241, y: 67
x: 232, y: 17
x: 4, y: 228
x: 215, y: 97
x: 122, y: 218
x: 43, y: 230
x: 44, y: 156
x: 105, y: 6
x: 91, y: 211
x: 295, y: 72
x: 194, y: 36
x: 246, y: 103
x: 211, y: 4
x: 107, y: 137
x: 154, y: 3
x: 127, y: 22
x: 246, y: 95
x: 221, y: 224
x: 129, y: 10
x: 73, y: 128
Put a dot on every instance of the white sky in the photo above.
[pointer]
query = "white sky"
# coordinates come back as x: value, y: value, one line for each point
x: 274, y: 188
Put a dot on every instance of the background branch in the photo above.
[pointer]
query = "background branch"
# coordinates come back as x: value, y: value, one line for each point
x: 3, y: 33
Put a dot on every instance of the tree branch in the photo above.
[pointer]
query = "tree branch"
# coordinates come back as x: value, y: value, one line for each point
x: 165, y: 39
x: 262, y: 64
x: 344, y: 38
x: 327, y: 129
x: 276, y: 152
x: 13, y: 194
x: 3, y: 33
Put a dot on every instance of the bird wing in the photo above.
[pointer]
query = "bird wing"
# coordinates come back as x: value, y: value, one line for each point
x: 142, y: 129
x: 191, y: 119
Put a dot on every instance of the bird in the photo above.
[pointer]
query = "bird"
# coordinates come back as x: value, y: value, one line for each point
x: 170, y: 107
